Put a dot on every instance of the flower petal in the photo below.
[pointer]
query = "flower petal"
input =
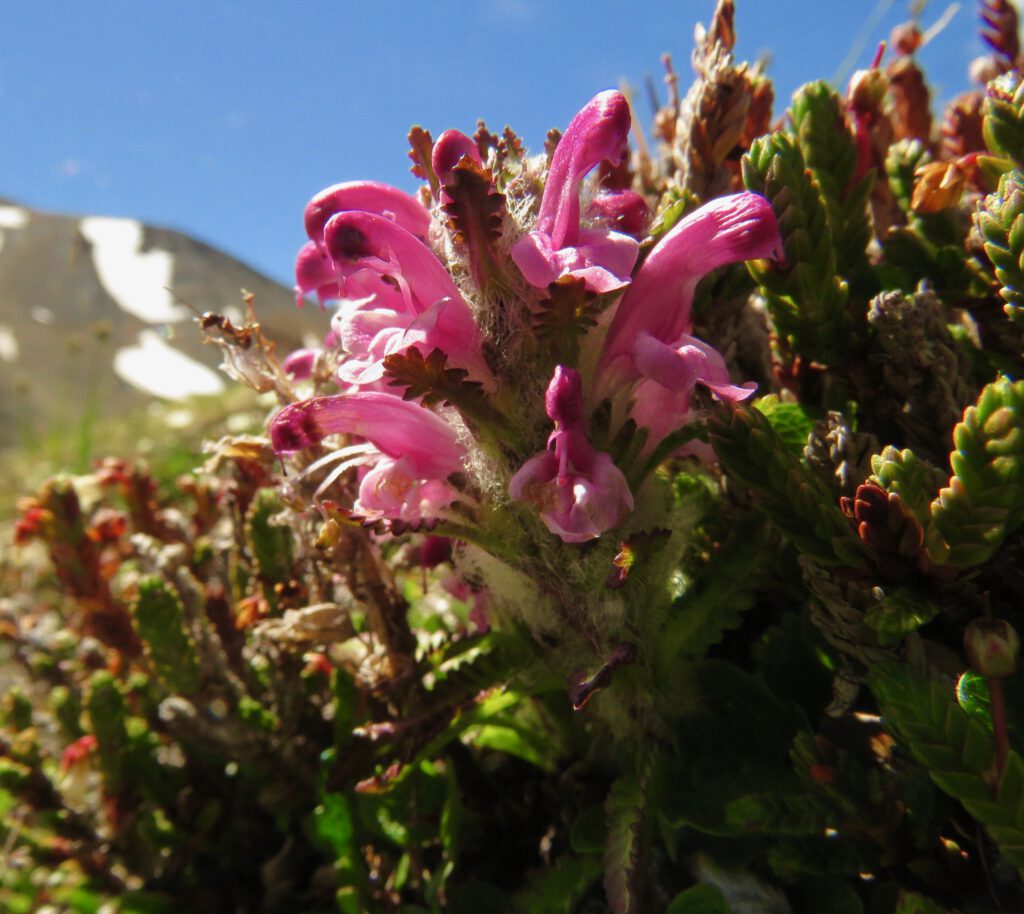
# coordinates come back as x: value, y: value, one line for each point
x: 370, y: 197
x: 396, y: 427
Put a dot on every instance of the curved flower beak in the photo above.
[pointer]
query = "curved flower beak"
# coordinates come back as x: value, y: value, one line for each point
x: 366, y: 196
x: 598, y: 133
x: 362, y: 240
x: 394, y: 426
x: 659, y: 300
x: 558, y: 246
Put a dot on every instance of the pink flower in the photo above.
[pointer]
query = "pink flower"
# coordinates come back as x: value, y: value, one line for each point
x: 579, y: 492
x: 659, y: 300
x: 314, y: 273
x: 298, y: 365
x: 558, y: 246
x: 622, y: 210
x: 366, y: 196
x: 649, y: 343
x: 411, y: 451
x: 421, y: 305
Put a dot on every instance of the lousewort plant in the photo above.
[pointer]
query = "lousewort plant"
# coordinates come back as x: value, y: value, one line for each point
x: 644, y: 536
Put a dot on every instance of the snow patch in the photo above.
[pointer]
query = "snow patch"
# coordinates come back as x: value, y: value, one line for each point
x: 160, y: 370
x: 8, y: 344
x: 13, y: 217
x: 137, y: 281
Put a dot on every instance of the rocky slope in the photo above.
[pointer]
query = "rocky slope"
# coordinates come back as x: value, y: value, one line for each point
x: 95, y: 318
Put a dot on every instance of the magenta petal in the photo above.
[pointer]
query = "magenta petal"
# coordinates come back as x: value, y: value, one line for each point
x: 393, y: 488
x: 396, y: 427
x: 563, y: 400
x: 691, y: 361
x: 580, y: 508
x: 367, y: 196
x: 298, y: 365
x: 622, y: 211
x: 358, y: 240
x: 314, y: 272
x: 535, y: 258
x: 601, y: 500
x: 603, y: 260
x: 599, y: 132
x: 658, y: 302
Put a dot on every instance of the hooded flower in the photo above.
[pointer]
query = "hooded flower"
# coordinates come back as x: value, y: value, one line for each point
x: 411, y: 451
x: 558, y: 246
x: 409, y: 298
x: 368, y: 197
x: 649, y: 342
x: 579, y: 492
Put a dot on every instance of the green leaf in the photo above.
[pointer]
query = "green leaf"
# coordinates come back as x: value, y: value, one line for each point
x: 108, y: 713
x: 271, y: 543
x: 984, y: 500
x: 565, y: 316
x: 699, y: 899
x: 914, y: 903
x: 790, y: 421
x: 334, y: 826
x: 1003, y: 116
x: 1001, y: 221
x: 556, y: 889
x: 972, y: 695
x: 915, y: 481
x: 830, y: 151
x: 901, y: 612
x: 956, y: 750
x: 168, y: 644
x: 793, y: 498
x: 726, y: 589
x: 806, y: 297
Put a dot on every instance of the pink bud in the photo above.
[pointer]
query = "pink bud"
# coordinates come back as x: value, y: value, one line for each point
x: 992, y: 647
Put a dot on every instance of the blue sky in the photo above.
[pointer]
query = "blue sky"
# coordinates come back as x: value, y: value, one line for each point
x: 222, y: 118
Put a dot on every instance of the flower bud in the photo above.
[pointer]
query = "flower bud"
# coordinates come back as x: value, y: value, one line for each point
x: 992, y: 647
x: 866, y: 90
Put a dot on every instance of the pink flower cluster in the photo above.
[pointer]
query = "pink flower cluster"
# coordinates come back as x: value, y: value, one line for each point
x: 370, y: 253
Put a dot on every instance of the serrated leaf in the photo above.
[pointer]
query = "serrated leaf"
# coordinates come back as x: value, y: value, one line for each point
x: 475, y: 212
x: 805, y: 295
x: 726, y: 589
x: 430, y: 380
x: 956, y: 750
x: 831, y: 154
x: 560, y: 320
x: 790, y: 421
x: 422, y: 148
x: 902, y: 473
